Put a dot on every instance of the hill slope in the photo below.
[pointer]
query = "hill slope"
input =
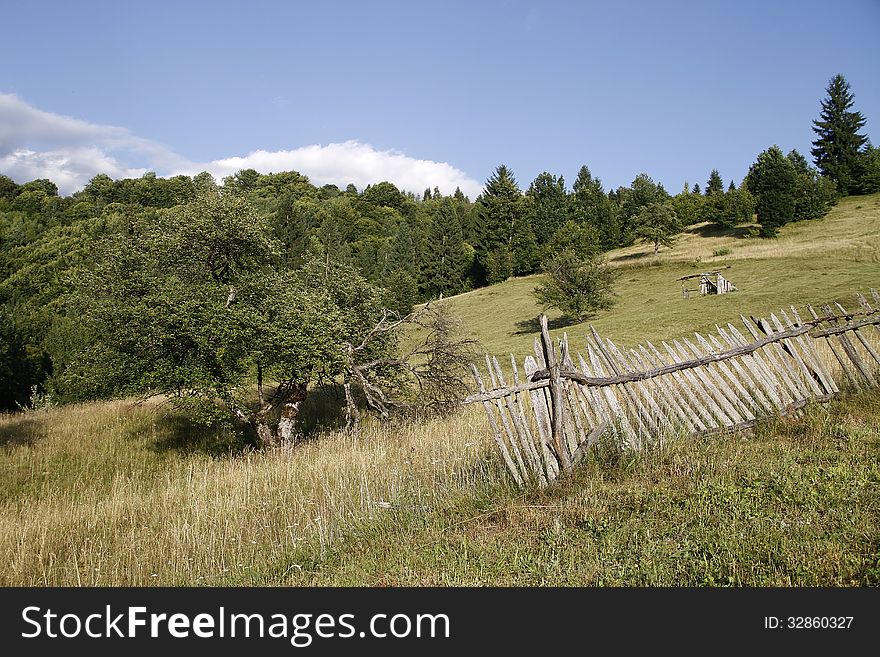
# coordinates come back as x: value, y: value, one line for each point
x: 810, y: 262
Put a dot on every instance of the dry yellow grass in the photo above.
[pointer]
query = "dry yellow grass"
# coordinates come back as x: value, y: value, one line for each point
x: 849, y: 231
x: 90, y: 500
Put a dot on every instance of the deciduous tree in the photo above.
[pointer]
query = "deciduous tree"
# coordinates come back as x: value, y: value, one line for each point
x: 577, y: 285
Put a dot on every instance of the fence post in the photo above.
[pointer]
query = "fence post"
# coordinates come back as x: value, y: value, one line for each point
x: 557, y: 419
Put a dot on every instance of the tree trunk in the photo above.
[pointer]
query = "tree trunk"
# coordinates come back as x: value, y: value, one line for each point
x: 352, y: 417
x: 285, y: 434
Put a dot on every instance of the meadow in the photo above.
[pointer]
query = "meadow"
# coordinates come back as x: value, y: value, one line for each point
x: 128, y: 493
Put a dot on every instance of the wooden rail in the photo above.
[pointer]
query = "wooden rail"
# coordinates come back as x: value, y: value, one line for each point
x: 719, y: 382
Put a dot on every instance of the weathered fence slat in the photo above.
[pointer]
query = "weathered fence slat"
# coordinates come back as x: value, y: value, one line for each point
x: 699, y: 381
x: 762, y: 367
x: 865, y: 343
x: 546, y: 423
x: 687, y: 386
x: 522, y: 433
x: 641, y: 414
x: 830, y: 343
x: 783, y: 353
x: 650, y: 407
x: 542, y: 420
x: 512, y: 438
x: 743, y: 380
x: 505, y: 453
x: 612, y: 399
x: 849, y: 348
x: 747, y: 403
x: 557, y: 423
x: 763, y: 392
x: 811, y: 356
x: 667, y: 395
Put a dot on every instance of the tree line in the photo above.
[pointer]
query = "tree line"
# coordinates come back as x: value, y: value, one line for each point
x: 184, y: 285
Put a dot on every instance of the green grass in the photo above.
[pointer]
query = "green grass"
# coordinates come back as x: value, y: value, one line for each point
x: 818, y: 261
x: 119, y: 493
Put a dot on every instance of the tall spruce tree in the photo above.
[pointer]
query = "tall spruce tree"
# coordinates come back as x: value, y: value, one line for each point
x: 500, y: 213
x: 836, y: 151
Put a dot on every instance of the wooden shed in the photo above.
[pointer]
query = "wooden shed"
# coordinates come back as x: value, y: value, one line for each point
x: 711, y: 282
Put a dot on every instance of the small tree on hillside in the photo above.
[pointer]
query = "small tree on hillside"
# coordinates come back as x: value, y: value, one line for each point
x: 577, y: 285
x: 657, y: 224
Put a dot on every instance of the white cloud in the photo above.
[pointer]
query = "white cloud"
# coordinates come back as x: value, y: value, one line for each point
x: 39, y: 144
x: 69, y: 168
x: 350, y: 162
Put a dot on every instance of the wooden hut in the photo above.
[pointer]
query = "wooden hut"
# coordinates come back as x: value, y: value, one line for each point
x: 711, y: 282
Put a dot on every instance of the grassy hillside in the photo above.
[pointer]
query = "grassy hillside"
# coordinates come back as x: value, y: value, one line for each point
x: 810, y: 262
x: 120, y: 493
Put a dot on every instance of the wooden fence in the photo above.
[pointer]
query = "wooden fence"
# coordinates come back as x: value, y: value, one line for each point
x: 559, y: 405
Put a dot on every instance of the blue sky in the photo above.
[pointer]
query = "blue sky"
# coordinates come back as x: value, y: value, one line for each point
x: 424, y: 93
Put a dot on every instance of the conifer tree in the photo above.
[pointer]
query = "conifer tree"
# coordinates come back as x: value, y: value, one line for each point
x: 444, y: 263
x: 773, y: 181
x: 590, y: 206
x: 550, y: 205
x: 836, y: 150
x: 500, y: 211
x: 714, y: 185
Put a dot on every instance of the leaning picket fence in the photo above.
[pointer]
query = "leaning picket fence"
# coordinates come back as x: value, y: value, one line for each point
x: 561, y: 404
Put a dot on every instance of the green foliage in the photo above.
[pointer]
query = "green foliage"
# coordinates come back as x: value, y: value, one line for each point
x: 714, y: 185
x: 836, y: 149
x: 688, y: 206
x: 815, y: 194
x: 550, y: 204
x: 576, y: 285
x: 445, y: 263
x: 735, y: 206
x: 590, y: 206
x: 773, y: 181
x: 498, y: 265
x: 8, y: 187
x: 194, y: 302
x: 577, y: 237
x: 407, y: 248
x: 657, y: 224
x: 642, y: 192
x: 868, y: 170
x: 524, y: 254
x: 21, y: 367
x: 402, y: 292
x: 502, y: 228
